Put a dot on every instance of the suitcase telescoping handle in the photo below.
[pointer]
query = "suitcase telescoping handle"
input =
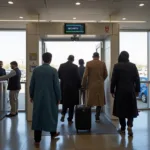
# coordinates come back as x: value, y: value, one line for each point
x: 81, y: 97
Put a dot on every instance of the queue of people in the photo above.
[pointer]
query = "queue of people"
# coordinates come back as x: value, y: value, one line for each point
x: 47, y: 92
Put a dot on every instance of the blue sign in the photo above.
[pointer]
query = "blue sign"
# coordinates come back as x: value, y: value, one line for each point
x: 74, y: 28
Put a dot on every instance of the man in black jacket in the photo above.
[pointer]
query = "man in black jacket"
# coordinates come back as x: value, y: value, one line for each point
x: 70, y: 84
x: 125, y: 86
x: 14, y: 87
x: 2, y: 70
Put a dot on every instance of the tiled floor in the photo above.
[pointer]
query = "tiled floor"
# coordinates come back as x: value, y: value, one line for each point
x: 15, y: 134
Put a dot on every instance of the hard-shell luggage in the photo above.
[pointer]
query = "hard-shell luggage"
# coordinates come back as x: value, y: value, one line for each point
x: 82, y: 117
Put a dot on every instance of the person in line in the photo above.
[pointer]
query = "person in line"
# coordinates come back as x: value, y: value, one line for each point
x: 94, y: 76
x: 125, y: 86
x: 45, y: 94
x: 14, y: 86
x: 81, y: 72
x: 70, y: 85
x: 2, y: 70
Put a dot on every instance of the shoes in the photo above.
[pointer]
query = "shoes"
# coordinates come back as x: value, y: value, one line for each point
x: 120, y: 131
x: 97, y: 119
x: 62, y: 118
x: 37, y: 144
x: 55, y: 135
x: 130, y: 132
x: 11, y: 115
x: 70, y: 122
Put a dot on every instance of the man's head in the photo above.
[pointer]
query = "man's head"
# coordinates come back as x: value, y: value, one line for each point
x: 13, y: 64
x: 96, y: 55
x: 71, y: 58
x: 1, y: 64
x: 47, y: 58
x: 81, y: 62
x: 123, y: 57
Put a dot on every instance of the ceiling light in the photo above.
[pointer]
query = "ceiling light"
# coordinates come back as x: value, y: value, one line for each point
x: 78, y: 3
x: 21, y: 17
x: 118, y: 21
x: 10, y: 2
x: 23, y: 21
x: 123, y: 18
x: 141, y: 5
x: 79, y: 21
x: 74, y: 18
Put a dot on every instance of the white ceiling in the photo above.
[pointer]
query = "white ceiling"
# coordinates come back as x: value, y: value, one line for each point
x: 66, y: 9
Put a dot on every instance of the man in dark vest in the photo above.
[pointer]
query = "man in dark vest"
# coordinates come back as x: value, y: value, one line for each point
x: 14, y: 87
x: 2, y: 70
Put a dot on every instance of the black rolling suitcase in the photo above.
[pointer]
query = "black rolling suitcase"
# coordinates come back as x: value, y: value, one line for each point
x: 83, y: 117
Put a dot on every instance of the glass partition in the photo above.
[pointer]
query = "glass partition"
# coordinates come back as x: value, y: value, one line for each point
x: 136, y: 45
x: 13, y: 48
x: 3, y: 99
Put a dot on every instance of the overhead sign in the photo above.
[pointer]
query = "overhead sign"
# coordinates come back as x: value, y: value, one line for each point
x: 74, y: 28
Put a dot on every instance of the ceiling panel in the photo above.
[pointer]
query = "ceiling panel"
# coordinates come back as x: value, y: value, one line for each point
x: 88, y: 10
x: 23, y: 3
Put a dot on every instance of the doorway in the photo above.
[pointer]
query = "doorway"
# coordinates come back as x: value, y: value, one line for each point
x: 39, y: 32
x: 62, y: 49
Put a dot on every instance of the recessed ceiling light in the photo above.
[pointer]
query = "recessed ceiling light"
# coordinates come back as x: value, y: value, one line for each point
x: 74, y: 18
x: 21, y: 17
x: 141, y: 5
x: 78, y: 3
x: 123, y: 18
x: 10, y: 2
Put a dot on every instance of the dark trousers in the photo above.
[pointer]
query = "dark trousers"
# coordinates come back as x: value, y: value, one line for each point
x: 123, y: 123
x: 71, y: 112
x: 38, y: 135
x: 98, y: 111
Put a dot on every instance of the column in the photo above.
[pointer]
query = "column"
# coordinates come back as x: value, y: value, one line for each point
x: 32, y: 41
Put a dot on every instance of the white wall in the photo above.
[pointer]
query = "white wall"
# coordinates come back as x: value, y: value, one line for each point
x: 111, y: 53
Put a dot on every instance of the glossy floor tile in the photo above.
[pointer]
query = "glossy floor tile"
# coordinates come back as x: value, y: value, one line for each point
x: 15, y: 134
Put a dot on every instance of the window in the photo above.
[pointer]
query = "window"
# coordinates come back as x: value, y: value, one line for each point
x: 13, y: 48
x: 135, y: 43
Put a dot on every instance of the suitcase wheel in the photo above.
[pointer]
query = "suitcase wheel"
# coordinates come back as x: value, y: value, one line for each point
x: 89, y: 130
x: 77, y: 131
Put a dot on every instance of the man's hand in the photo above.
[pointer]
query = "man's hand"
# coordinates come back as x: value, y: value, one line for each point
x: 31, y: 100
x: 113, y: 95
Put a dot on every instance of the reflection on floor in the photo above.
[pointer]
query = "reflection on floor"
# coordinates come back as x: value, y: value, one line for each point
x: 141, y: 105
x: 105, y: 127
x: 15, y: 134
